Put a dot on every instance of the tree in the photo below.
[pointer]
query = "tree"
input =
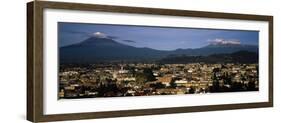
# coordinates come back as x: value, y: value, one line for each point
x: 173, y: 84
x: 191, y: 90
x: 251, y: 86
x: 158, y: 85
x: 226, y: 79
x: 216, y: 70
x: 132, y: 70
x: 140, y: 78
x: 216, y: 84
x: 149, y: 74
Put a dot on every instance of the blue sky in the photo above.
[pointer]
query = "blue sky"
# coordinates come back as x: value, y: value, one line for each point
x: 159, y: 38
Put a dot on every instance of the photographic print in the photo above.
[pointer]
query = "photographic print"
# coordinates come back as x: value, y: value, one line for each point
x: 105, y: 60
x: 88, y: 61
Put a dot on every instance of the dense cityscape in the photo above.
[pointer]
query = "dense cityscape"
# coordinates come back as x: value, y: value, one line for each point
x: 111, y: 60
x: 118, y: 80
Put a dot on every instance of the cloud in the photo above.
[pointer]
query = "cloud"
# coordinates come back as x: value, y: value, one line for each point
x: 220, y: 41
x: 99, y: 35
x: 183, y: 42
x: 129, y: 41
x: 95, y: 34
x: 103, y: 35
x: 76, y: 32
x: 112, y: 37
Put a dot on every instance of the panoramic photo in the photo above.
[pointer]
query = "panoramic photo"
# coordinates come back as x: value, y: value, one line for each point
x: 104, y: 60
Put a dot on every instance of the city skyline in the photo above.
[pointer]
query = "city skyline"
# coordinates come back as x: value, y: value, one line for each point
x: 159, y: 38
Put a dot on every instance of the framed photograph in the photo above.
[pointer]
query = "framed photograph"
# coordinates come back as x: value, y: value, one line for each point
x: 96, y: 61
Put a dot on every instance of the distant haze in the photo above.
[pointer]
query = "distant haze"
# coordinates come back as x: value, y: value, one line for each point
x: 159, y: 38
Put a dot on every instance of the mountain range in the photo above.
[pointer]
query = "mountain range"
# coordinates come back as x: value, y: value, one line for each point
x: 95, y: 50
